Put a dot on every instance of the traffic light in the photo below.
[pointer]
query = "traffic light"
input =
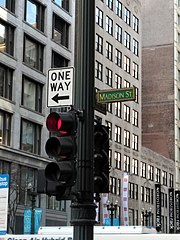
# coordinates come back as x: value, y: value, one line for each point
x: 101, y: 158
x: 61, y: 174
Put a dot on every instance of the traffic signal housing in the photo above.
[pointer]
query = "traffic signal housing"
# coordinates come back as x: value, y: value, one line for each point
x: 61, y: 174
x: 101, y: 158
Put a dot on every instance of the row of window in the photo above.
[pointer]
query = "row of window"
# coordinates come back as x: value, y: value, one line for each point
x: 128, y: 43
x: 34, y: 11
x: 130, y: 140
x: 19, y: 184
x: 33, y: 53
x: 109, y: 72
x: 128, y: 115
x: 122, y: 12
x: 31, y: 90
x: 30, y: 133
x: 145, y: 170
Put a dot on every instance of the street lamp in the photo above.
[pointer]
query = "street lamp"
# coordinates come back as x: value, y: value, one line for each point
x: 146, y: 216
x: 33, y: 194
x: 113, y: 209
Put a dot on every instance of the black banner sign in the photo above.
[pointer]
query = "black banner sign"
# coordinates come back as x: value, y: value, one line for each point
x: 177, y: 207
x: 171, y: 210
x: 158, y: 206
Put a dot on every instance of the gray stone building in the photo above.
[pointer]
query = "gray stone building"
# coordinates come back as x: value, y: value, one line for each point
x: 34, y: 37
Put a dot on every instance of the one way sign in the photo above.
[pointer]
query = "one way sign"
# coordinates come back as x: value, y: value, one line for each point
x: 60, y: 87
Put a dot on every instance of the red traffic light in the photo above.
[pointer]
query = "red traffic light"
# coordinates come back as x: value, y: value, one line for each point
x: 63, y: 123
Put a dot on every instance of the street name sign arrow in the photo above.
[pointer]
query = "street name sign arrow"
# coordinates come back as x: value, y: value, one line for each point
x: 60, y: 87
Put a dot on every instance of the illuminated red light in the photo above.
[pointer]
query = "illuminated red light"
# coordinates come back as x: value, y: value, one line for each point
x: 53, y: 122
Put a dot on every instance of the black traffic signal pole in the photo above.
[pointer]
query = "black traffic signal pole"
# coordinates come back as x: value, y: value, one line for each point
x: 83, y: 208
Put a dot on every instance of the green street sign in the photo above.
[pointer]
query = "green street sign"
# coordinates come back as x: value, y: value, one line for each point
x: 116, y: 95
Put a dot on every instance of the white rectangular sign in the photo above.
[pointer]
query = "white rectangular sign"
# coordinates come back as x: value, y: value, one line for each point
x: 60, y: 87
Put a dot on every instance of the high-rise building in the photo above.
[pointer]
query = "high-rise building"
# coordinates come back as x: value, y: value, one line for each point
x: 160, y: 79
x: 34, y: 37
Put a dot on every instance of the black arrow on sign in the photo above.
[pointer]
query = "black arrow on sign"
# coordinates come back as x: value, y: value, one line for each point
x: 56, y: 98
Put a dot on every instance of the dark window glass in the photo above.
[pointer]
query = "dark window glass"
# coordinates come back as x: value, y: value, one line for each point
x: 60, y: 31
x: 63, y: 4
x: 58, y: 60
x: 6, y: 77
x: 9, y: 4
x: 31, y: 94
x: 5, y: 128
x: 33, y: 53
x: 30, y: 136
x: 6, y: 38
x: 34, y: 14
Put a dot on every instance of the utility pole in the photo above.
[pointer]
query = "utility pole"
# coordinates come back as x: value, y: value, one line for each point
x: 83, y: 207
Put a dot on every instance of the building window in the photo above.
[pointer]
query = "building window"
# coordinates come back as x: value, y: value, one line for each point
x: 136, y: 93
x: 143, y: 169
x: 150, y: 172
x: 135, y: 166
x: 126, y: 138
x: 99, y: 17
x: 110, y: 157
x: 99, y: 44
x: 117, y: 136
x: 27, y: 176
x: 147, y: 194
x: 6, y: 38
x: 134, y: 142
x: 58, y: 60
x: 109, y: 107
x: 52, y: 203
x: 30, y: 137
x: 109, y: 74
x: 118, y: 109
x: 135, y: 47
x: 135, y: 70
x: 171, y: 180
x: 117, y: 157
x: 126, y: 163
x: 6, y: 79
x: 118, y: 187
x: 164, y: 178
x: 34, y: 14
x: 118, y: 33
x: 63, y: 4
x: 158, y: 175
x: 126, y: 84
x: 135, y: 24
x: 135, y: 118
x: 127, y: 16
x: 9, y: 4
x: 109, y: 51
x: 113, y: 185
x: 33, y: 53
x: 126, y: 64
x: 118, y: 58
x: 118, y: 8
x: 109, y: 25
x: 31, y: 94
x: 60, y: 33
x: 126, y: 113
x: 109, y: 3
x: 99, y: 70
x: 109, y: 124
x: 118, y: 81
x: 127, y: 40
x: 5, y: 128
x: 142, y: 193
x: 131, y: 190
